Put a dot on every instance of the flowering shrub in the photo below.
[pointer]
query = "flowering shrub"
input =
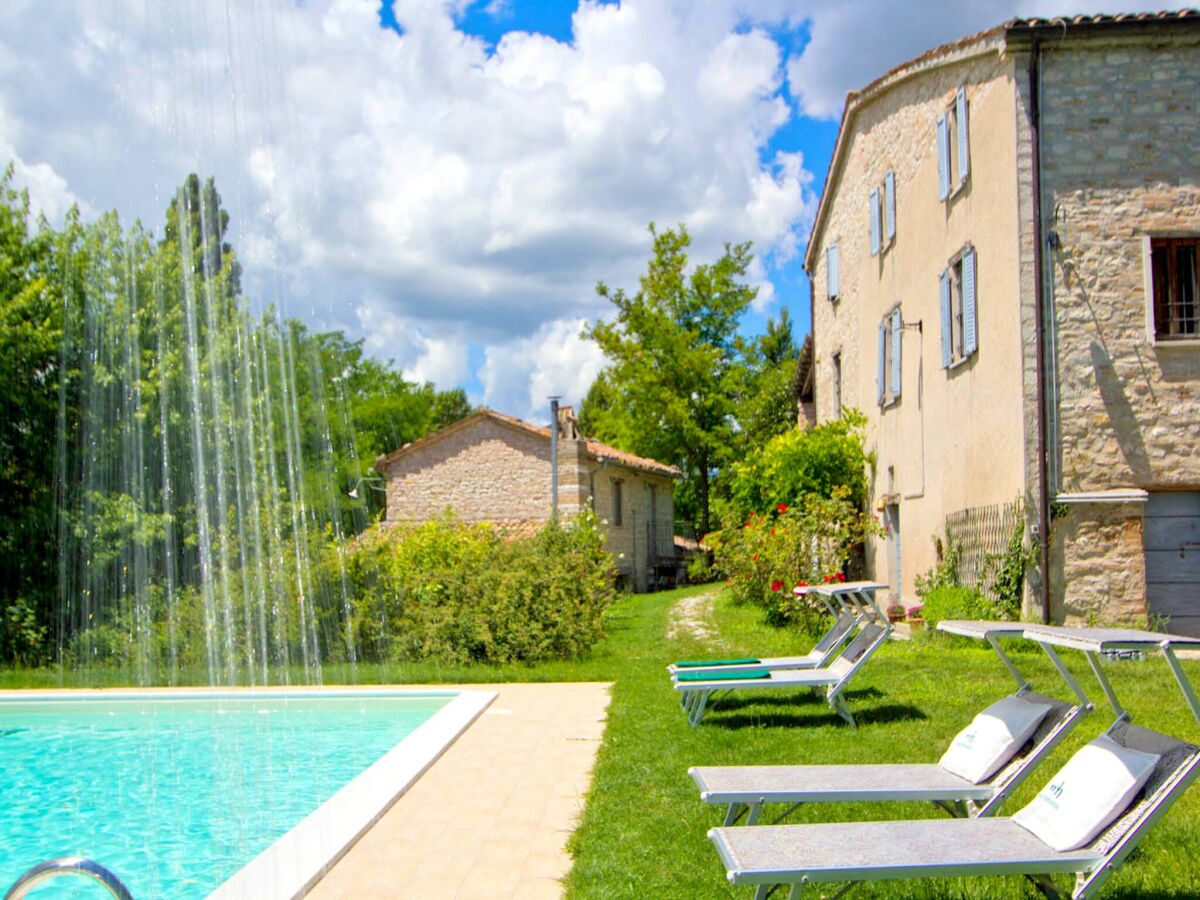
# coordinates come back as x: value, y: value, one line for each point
x: 807, y: 542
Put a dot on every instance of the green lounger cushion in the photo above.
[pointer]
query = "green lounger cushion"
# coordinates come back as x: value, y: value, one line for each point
x: 696, y: 664
x: 739, y: 675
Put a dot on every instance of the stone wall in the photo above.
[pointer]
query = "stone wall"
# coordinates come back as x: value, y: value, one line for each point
x: 1120, y: 143
x: 1098, y: 569
x: 486, y: 471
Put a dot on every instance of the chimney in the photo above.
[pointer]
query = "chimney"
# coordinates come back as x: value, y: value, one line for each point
x: 554, y: 429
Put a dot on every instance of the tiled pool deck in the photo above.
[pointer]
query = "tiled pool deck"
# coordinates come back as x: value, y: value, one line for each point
x: 492, y: 816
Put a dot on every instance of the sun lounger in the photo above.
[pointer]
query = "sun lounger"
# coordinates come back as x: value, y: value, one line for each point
x: 820, y: 655
x: 849, y: 603
x: 746, y: 789
x: 855, y: 852
x: 798, y: 855
x: 696, y: 691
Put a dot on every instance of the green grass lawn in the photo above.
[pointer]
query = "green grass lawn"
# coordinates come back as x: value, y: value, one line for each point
x: 643, y: 830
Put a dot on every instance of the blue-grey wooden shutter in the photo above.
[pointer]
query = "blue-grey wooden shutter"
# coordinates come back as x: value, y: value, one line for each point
x: 970, y: 335
x: 897, y: 334
x: 882, y: 375
x: 943, y: 154
x: 947, y: 321
x: 964, y: 144
x: 832, y: 286
x: 889, y: 199
x: 874, y: 201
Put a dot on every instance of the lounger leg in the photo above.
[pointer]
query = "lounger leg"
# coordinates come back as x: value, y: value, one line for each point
x: 698, y: 713
x: 842, y: 708
x: 734, y: 813
x: 755, y: 811
x: 763, y: 891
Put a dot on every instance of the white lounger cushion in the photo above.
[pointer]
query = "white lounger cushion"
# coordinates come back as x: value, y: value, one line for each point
x: 992, y: 738
x: 1092, y: 789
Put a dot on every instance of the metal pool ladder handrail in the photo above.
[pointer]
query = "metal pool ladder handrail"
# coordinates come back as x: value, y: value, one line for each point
x: 67, y: 865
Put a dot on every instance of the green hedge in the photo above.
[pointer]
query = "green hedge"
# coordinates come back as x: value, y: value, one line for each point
x: 957, y: 603
x: 459, y: 593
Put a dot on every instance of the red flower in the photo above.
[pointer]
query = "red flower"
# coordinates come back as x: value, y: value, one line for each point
x: 754, y: 558
x: 782, y: 507
x: 777, y: 586
x: 802, y: 584
x: 840, y: 576
x: 827, y: 579
x: 772, y: 531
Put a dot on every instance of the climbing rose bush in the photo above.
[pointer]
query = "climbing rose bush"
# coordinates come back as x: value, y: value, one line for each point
x: 805, y: 543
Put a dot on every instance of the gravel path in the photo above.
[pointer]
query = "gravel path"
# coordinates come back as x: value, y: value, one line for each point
x: 693, y: 615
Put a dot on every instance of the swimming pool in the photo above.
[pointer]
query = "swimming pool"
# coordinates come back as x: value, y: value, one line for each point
x: 183, y: 794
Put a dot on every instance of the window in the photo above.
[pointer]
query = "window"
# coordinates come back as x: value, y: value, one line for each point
x: 616, y: 498
x: 882, y: 203
x: 1174, y: 286
x: 832, y: 274
x: 960, y: 337
x: 837, y: 383
x: 953, y: 147
x: 891, y: 330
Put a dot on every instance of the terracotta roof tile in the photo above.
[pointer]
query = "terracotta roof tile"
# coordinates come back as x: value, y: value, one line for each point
x: 594, y: 448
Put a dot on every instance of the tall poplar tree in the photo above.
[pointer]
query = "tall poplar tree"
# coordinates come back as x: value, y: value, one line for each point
x: 675, y: 366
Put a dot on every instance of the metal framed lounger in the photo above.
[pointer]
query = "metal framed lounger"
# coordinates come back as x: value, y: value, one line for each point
x: 820, y: 655
x: 798, y: 855
x: 834, y: 678
x: 746, y: 789
x: 849, y: 604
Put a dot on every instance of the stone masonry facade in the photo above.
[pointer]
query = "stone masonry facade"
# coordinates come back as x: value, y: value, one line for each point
x: 493, y: 468
x: 1118, y: 157
x: 1120, y: 163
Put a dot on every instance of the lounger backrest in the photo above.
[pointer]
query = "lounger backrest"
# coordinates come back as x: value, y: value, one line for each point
x: 1055, y: 725
x: 1177, y: 766
x: 859, y: 650
x: 836, y: 634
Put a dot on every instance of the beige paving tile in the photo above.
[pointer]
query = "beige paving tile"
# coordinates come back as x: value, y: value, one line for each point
x: 491, y: 818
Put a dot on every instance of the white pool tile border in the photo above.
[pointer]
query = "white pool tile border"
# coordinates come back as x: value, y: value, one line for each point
x: 298, y: 860
x: 295, y: 862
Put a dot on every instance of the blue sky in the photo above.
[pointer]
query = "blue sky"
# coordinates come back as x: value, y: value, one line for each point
x: 448, y: 180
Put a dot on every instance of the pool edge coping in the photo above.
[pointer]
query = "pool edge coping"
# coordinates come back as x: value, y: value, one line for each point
x: 301, y: 857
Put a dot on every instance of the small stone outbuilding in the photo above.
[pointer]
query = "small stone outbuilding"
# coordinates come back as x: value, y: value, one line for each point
x: 491, y: 467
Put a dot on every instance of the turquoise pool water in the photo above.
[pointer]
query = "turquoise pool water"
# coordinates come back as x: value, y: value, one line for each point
x: 175, y: 795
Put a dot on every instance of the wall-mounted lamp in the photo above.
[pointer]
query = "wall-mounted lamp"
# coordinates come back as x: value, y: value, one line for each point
x: 369, y: 481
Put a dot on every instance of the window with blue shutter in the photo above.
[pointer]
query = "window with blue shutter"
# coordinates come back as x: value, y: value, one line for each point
x: 897, y: 334
x: 970, y: 341
x: 947, y: 322
x: 960, y: 123
x: 873, y: 200
x: 881, y: 371
x: 832, y: 276
x: 889, y: 200
x: 943, y: 158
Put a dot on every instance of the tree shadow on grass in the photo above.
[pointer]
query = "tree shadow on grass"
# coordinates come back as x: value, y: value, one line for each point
x: 875, y: 715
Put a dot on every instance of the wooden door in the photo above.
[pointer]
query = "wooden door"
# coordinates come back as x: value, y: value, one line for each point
x: 1171, y: 537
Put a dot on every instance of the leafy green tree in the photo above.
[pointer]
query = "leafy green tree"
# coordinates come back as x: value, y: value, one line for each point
x: 31, y: 315
x: 769, y: 398
x: 675, y: 364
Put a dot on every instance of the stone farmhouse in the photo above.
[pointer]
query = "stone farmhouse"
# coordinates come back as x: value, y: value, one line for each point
x: 1004, y: 271
x: 497, y: 468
